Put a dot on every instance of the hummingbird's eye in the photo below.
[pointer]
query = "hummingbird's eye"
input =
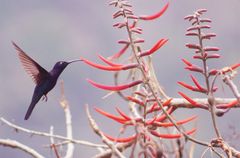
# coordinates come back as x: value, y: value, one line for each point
x: 60, y: 62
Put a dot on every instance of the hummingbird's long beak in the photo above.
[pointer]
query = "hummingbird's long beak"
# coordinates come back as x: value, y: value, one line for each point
x: 69, y: 62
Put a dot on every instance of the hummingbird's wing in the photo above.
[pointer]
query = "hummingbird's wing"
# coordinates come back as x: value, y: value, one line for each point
x: 32, y: 67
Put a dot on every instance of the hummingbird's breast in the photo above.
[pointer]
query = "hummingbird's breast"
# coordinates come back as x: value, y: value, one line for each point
x: 46, y: 85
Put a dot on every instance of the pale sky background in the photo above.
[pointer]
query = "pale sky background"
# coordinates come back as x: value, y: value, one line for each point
x: 50, y: 31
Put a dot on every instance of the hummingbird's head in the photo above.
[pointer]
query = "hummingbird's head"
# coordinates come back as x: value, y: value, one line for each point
x: 61, y: 65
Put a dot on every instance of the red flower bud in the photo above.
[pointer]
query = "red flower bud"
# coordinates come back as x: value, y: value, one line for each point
x: 193, y: 46
x: 208, y: 36
x: 213, y: 56
x: 201, y: 11
x: 205, y: 20
x: 191, y: 34
x: 207, y: 49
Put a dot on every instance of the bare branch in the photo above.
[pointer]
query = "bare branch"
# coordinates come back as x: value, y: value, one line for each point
x: 108, y: 153
x: 32, y: 132
x: 68, y: 118
x: 228, y: 80
x: 15, y: 144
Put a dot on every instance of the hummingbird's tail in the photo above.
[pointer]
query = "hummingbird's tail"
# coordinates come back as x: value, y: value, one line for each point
x: 29, y: 111
x: 34, y: 101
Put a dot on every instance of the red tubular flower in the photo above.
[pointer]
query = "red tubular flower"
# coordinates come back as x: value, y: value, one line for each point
x: 122, y: 114
x: 235, y: 66
x: 121, y: 140
x: 168, y: 124
x: 229, y: 105
x: 194, y: 68
x: 140, y: 93
x: 163, y: 116
x: 197, y: 84
x: 120, y: 53
x: 108, y: 61
x: 191, y: 87
x: 115, y: 88
x: 135, y: 100
x: 228, y: 69
x: 172, y: 136
x: 188, y: 99
x: 102, y: 67
x: 154, y: 16
x: 130, y: 66
x: 187, y: 62
x: 198, y: 88
x: 155, y: 106
x: 113, y: 117
x: 158, y: 45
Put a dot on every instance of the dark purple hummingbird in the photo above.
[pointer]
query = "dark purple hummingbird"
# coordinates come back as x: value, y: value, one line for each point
x: 44, y: 80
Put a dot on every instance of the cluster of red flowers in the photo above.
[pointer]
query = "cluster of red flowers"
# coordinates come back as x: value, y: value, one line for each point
x: 199, y: 25
x: 153, y: 116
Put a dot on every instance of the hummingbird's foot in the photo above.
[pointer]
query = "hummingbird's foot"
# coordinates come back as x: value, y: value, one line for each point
x: 45, y: 98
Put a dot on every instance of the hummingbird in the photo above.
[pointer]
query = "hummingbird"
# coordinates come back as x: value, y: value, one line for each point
x: 44, y: 80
